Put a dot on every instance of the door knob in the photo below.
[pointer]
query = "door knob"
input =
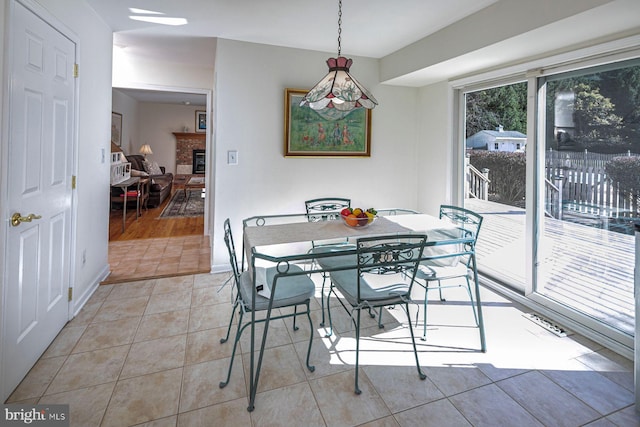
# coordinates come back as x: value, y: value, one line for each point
x: 17, y: 218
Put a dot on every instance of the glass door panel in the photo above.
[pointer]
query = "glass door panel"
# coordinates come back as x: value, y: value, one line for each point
x: 588, y: 195
x: 495, y: 181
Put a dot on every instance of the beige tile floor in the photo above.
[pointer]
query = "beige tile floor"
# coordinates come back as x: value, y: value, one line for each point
x: 139, y: 259
x: 148, y: 353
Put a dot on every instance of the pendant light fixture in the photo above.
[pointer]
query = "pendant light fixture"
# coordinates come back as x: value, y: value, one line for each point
x: 338, y: 93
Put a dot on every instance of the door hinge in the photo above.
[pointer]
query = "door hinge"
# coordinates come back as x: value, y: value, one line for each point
x: 70, y: 294
x: 75, y: 70
x: 73, y: 182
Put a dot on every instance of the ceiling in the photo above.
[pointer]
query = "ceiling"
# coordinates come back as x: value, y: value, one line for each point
x: 304, y: 24
x: 370, y: 28
x: 162, y: 97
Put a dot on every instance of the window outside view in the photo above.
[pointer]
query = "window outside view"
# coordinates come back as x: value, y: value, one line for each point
x: 588, y: 197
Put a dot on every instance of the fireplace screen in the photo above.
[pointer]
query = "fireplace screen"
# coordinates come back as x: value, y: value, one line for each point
x: 198, y: 161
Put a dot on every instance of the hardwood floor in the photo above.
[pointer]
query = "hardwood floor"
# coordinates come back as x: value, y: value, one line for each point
x: 149, y: 225
x: 151, y: 247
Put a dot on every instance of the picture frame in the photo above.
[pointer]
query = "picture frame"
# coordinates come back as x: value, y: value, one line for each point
x: 116, y: 128
x: 308, y: 133
x: 201, y: 121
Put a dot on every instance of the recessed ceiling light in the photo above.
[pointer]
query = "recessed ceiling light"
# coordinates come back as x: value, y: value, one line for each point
x: 143, y: 11
x: 160, y: 20
x: 187, y: 102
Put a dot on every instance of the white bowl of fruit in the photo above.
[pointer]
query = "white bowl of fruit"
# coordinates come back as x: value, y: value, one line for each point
x: 358, y: 218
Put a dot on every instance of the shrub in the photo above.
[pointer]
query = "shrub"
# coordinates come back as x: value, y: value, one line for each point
x: 626, y: 172
x: 507, y: 172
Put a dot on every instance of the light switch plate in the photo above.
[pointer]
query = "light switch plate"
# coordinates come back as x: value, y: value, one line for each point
x: 232, y: 157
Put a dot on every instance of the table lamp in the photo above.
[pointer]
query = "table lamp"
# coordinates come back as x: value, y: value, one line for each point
x: 145, y: 149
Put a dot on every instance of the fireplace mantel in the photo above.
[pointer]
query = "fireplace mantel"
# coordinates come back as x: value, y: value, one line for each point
x: 190, y: 135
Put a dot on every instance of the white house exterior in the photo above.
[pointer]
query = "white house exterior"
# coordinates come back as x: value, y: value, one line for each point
x: 497, y: 140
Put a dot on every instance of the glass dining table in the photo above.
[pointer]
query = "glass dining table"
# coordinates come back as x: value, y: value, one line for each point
x: 285, y: 240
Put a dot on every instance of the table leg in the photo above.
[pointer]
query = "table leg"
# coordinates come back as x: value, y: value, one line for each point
x: 124, y: 211
x: 138, y: 213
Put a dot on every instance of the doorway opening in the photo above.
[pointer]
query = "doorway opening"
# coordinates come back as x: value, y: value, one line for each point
x: 168, y: 236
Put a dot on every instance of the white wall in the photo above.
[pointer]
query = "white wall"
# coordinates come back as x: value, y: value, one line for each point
x: 434, y: 147
x: 157, y: 124
x: 251, y: 81
x: 128, y: 107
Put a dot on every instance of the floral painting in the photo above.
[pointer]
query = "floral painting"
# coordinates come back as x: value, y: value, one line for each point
x: 309, y: 133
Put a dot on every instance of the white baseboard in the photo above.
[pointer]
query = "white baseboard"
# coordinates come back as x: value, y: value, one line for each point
x: 80, y: 300
x: 220, y: 268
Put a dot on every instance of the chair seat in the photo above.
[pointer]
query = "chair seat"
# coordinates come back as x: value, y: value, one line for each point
x: 377, y: 289
x: 335, y: 261
x: 290, y: 290
x: 433, y: 270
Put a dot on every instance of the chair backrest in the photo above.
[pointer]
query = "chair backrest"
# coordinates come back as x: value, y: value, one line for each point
x: 231, y: 248
x: 392, y: 255
x: 326, y: 208
x: 448, y: 253
x: 463, y: 218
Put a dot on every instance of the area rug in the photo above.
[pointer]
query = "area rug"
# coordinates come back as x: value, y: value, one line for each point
x: 181, y: 207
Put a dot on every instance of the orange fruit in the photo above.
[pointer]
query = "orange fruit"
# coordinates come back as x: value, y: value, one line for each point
x: 351, y: 220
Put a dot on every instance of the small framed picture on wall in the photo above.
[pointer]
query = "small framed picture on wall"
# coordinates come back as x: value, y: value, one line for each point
x: 116, y: 128
x: 201, y: 121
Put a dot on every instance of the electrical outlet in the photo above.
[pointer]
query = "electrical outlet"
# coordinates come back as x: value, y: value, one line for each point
x: 232, y: 157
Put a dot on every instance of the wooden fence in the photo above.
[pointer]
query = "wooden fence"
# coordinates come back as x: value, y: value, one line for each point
x: 582, y: 186
x: 576, y: 185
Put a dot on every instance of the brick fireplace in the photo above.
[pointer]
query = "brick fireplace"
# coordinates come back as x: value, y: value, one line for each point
x: 187, y: 144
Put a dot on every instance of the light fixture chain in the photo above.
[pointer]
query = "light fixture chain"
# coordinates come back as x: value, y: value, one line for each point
x: 339, y: 26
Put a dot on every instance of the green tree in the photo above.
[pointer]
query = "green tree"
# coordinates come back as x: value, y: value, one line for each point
x: 594, y: 115
x: 505, y: 105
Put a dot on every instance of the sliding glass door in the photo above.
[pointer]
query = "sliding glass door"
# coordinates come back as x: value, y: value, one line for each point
x: 588, y: 190
x: 560, y: 196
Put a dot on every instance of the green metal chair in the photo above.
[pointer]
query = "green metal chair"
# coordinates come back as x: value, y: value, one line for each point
x: 327, y: 209
x: 286, y: 291
x: 384, y: 275
x: 450, y: 259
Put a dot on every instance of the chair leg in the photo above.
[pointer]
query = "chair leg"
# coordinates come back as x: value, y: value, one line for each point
x: 235, y: 346
x: 473, y: 307
x: 440, y: 291
x: 233, y: 313
x: 357, y: 389
x: 483, y: 342
x: 413, y: 341
x: 253, y: 386
x: 324, y: 279
x: 424, y: 315
x: 311, y: 368
x: 295, y: 316
x: 328, y: 334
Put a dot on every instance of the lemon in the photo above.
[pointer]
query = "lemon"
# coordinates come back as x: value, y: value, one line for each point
x: 357, y: 211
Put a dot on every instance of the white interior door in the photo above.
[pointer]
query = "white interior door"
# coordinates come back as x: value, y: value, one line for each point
x: 41, y: 105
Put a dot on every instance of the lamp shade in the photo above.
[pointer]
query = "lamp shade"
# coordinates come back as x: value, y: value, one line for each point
x: 339, y: 90
x: 145, y: 149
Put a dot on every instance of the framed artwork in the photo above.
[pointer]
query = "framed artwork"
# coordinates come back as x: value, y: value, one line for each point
x: 308, y: 133
x: 116, y: 128
x: 201, y: 121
